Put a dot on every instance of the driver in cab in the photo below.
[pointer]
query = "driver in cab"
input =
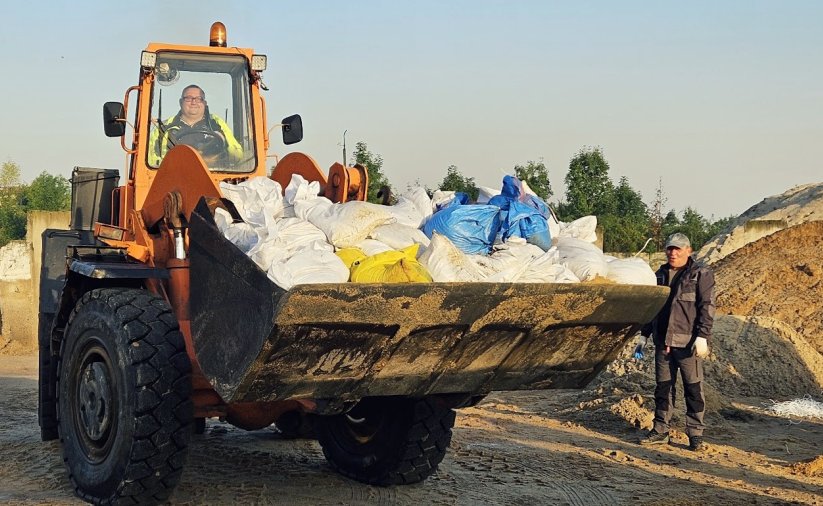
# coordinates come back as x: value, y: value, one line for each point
x: 195, y: 127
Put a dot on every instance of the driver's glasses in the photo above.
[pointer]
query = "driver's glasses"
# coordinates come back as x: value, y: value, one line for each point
x: 194, y: 100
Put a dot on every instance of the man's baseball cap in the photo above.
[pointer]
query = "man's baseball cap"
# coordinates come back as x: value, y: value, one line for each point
x: 678, y: 240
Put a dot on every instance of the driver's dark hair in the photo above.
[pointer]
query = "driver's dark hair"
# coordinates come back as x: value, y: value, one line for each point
x: 202, y: 93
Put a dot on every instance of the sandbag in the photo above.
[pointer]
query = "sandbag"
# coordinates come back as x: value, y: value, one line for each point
x: 472, y: 228
x: 344, y: 224
x: 259, y: 200
x: 445, y: 262
x: 309, y: 266
x: 350, y: 255
x: 391, y: 267
x: 631, y: 271
x: 582, y: 228
x: 521, y: 220
x: 242, y: 235
x: 372, y: 247
x: 583, y: 258
x: 399, y: 236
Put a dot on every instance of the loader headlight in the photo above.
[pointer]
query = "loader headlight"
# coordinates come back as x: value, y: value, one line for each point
x: 148, y: 59
x: 258, y: 62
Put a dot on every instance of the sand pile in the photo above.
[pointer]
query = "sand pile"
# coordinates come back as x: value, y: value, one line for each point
x: 779, y: 276
x: 798, y: 205
x: 751, y: 357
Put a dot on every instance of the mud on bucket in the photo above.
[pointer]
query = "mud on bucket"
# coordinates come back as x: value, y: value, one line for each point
x: 91, y: 196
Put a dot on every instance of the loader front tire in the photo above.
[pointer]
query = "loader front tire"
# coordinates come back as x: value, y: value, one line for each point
x: 387, y: 440
x: 124, y: 398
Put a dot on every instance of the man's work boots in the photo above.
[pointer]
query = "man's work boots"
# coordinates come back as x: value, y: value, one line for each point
x: 655, y: 438
x: 696, y: 444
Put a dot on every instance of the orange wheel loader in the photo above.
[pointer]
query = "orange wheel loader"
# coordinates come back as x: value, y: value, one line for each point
x: 151, y: 321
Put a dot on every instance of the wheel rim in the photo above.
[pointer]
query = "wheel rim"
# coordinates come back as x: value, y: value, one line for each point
x: 95, y: 401
x: 364, y: 421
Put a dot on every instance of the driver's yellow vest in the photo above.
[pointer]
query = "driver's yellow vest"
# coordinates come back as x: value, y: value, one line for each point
x: 159, y: 145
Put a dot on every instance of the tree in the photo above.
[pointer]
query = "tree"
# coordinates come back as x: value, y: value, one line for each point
x: 656, y: 216
x: 374, y: 165
x: 625, y: 230
x: 671, y: 224
x: 536, y: 175
x: 9, y: 175
x: 455, y: 181
x: 12, y: 213
x: 695, y: 226
x: 588, y: 187
x: 48, y: 193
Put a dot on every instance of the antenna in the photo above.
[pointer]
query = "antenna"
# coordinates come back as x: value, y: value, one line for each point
x: 344, y: 147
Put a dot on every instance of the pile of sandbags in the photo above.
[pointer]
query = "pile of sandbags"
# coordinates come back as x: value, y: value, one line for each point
x: 298, y: 237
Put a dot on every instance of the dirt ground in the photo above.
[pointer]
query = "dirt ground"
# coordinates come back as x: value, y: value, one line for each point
x: 557, y: 447
x: 544, y: 447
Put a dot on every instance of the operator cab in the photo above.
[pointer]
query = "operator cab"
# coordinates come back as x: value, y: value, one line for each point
x: 202, y: 100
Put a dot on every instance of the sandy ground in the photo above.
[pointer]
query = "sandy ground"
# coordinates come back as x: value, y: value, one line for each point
x: 514, y: 448
x: 550, y: 447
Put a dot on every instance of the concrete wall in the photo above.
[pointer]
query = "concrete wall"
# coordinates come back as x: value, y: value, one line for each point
x: 37, y: 222
x: 20, y: 280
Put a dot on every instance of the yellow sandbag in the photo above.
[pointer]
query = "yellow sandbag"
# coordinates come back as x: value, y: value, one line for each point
x: 391, y: 267
x: 350, y: 255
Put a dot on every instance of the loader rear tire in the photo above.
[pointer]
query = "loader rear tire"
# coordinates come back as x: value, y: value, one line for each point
x: 387, y: 440
x: 124, y: 398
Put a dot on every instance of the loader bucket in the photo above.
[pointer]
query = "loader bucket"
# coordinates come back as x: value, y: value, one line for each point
x: 342, y: 342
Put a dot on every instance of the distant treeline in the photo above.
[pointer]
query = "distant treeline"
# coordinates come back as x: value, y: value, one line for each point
x: 626, y: 220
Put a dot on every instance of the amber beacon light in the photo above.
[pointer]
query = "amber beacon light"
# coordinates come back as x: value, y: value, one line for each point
x: 217, y: 34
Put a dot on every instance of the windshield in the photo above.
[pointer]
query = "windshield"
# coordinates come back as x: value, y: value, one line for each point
x: 202, y: 101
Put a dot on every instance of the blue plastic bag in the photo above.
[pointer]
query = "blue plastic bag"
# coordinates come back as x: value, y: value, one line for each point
x: 471, y: 228
x: 522, y: 215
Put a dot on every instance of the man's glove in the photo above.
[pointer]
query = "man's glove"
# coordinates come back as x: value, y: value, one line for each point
x: 638, y: 350
x: 701, y: 347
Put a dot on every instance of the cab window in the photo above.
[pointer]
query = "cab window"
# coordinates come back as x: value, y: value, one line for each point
x: 202, y: 101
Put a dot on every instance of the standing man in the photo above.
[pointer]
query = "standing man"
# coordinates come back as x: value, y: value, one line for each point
x: 681, y: 332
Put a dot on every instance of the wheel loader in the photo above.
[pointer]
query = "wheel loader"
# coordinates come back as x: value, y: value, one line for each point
x: 151, y: 322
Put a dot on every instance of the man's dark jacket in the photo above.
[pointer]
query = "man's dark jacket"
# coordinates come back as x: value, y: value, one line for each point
x: 689, y: 310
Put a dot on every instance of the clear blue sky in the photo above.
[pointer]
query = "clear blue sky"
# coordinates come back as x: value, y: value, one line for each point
x: 722, y: 100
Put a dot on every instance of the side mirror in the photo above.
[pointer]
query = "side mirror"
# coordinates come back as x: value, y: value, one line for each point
x: 292, y: 129
x: 114, y: 119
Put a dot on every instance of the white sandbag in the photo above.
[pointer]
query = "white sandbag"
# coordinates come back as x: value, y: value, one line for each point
x: 583, y: 258
x: 406, y: 212
x: 399, y: 236
x: 548, y: 269
x: 345, y: 224
x: 300, y: 189
x: 446, y: 262
x: 631, y: 271
x: 271, y: 250
x: 240, y: 234
x: 554, y: 227
x: 510, y: 257
x: 485, y: 194
x: 440, y: 198
x: 421, y: 200
x: 413, y: 207
x: 309, y: 266
x: 372, y: 247
x: 527, y: 263
x: 258, y: 200
x: 582, y: 228
x: 298, y: 234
